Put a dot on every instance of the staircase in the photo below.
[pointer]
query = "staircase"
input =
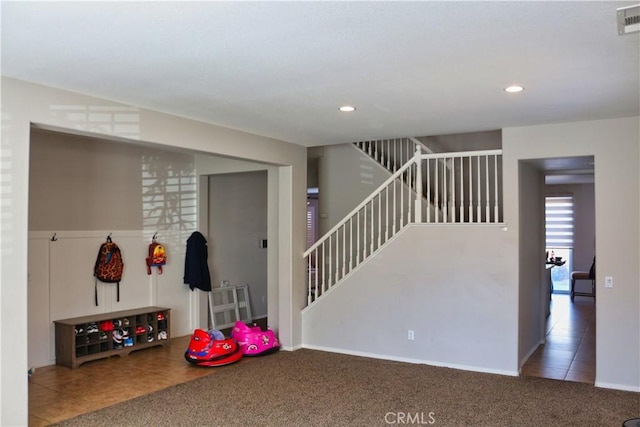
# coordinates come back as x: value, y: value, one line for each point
x: 423, y: 188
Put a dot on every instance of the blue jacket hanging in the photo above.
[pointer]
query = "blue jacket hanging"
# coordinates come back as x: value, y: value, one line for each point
x: 196, y: 269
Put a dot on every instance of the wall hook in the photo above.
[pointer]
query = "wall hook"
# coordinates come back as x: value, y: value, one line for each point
x: 54, y: 238
x: 154, y: 236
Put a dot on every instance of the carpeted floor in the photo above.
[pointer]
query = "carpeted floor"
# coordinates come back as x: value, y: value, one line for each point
x: 314, y: 388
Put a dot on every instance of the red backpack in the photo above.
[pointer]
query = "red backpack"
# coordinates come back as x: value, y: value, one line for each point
x: 109, y: 265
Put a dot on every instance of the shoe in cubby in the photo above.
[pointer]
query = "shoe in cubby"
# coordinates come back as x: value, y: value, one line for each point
x: 92, y: 328
x: 117, y: 338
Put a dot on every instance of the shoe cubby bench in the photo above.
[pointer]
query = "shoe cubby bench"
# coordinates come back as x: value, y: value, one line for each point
x: 87, y: 338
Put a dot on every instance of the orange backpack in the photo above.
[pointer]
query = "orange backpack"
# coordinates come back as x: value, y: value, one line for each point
x: 157, y: 256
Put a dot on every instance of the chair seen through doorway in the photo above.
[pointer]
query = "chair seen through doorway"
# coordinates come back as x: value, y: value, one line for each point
x: 584, y: 275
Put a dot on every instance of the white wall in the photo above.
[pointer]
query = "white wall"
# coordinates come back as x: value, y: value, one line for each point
x: 615, y: 147
x: 450, y: 284
x: 61, y: 283
x: 25, y: 103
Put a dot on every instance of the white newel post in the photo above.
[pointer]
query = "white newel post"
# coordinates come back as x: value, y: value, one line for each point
x: 417, y: 158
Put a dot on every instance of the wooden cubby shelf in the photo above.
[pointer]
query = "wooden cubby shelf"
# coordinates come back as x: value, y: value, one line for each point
x: 86, y: 338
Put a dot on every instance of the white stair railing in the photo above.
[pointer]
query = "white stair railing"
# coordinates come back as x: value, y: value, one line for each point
x: 466, y: 188
x: 392, y: 153
x: 365, y: 229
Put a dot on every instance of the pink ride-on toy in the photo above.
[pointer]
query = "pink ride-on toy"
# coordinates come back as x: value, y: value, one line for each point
x: 254, y: 341
x: 211, y: 349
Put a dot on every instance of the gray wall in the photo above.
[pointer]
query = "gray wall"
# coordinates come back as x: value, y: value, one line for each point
x: 448, y: 284
x: 80, y: 183
x: 532, y: 298
x: 471, y: 141
x: 346, y: 177
x: 615, y: 147
x: 237, y: 222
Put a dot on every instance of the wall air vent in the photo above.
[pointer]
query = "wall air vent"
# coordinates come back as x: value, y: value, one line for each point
x: 628, y: 19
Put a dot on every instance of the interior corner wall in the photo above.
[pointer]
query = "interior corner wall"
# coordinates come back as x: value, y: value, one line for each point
x: 346, y: 176
x: 532, y: 297
x: 615, y: 146
x: 24, y: 104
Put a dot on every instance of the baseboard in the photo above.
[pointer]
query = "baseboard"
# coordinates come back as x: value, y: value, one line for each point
x: 525, y: 359
x: 614, y: 386
x: 290, y: 348
x: 414, y: 361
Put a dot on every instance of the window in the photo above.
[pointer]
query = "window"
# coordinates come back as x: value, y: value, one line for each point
x: 312, y: 216
x: 559, y: 238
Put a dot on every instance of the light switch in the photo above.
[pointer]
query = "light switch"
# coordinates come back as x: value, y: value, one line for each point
x: 608, y: 282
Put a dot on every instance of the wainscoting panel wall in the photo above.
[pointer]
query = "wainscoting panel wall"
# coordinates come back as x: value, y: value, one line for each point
x: 62, y: 285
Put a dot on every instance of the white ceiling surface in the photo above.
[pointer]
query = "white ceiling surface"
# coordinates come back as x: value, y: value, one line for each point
x: 282, y: 69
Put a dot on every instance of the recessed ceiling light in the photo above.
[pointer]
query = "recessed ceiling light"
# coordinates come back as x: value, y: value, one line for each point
x: 513, y: 89
x: 347, y: 108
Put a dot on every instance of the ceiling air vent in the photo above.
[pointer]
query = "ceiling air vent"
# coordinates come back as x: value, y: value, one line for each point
x: 629, y: 19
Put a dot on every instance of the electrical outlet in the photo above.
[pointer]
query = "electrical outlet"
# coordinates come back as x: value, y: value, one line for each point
x: 608, y: 282
x: 410, y: 335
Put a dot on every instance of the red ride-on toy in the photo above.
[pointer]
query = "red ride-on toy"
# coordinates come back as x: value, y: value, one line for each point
x: 212, y: 349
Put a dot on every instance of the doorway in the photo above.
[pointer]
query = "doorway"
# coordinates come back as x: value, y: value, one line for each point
x: 567, y: 349
x: 237, y: 228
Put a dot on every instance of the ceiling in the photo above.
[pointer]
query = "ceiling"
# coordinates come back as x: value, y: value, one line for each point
x: 566, y: 170
x: 282, y: 69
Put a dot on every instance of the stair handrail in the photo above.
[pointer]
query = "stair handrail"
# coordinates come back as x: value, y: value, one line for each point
x: 458, y: 154
x: 362, y: 204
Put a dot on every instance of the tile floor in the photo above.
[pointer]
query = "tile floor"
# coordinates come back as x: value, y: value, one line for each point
x: 570, y: 350
x: 57, y: 393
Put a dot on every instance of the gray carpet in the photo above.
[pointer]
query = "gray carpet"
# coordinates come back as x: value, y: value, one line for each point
x: 314, y: 388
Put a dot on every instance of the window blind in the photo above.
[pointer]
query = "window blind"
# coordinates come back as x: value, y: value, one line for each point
x: 559, y: 221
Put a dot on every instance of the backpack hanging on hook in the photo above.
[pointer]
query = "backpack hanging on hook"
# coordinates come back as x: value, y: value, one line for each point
x: 157, y: 256
x: 109, y: 266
